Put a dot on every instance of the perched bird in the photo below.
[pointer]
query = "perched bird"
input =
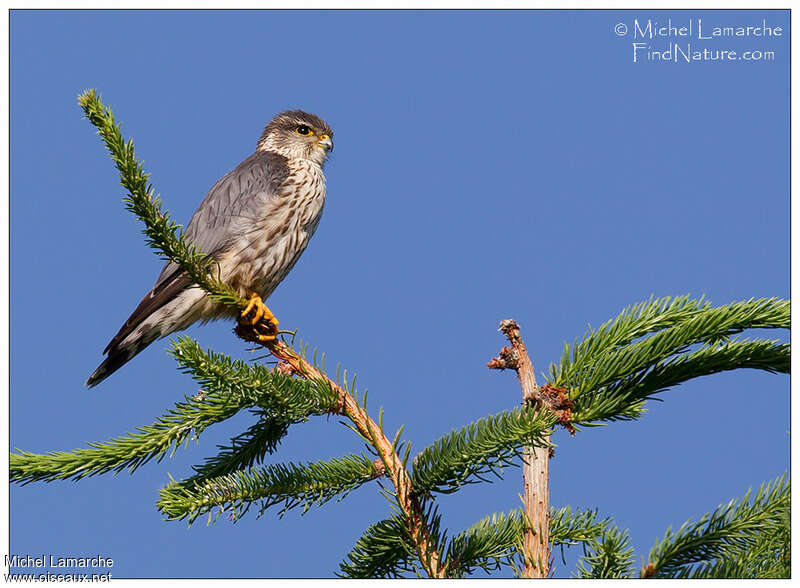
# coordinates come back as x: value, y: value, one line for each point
x: 254, y: 223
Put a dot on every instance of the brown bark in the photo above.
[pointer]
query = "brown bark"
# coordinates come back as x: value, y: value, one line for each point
x: 394, y: 468
x: 535, y: 475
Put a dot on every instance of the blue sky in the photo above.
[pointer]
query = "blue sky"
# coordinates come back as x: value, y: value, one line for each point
x: 487, y: 165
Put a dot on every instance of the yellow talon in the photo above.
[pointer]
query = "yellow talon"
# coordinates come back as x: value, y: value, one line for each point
x: 254, y: 304
x: 268, y: 316
x: 262, y: 326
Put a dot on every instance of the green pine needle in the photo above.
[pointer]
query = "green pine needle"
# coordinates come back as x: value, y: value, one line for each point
x: 568, y: 527
x: 161, y: 232
x: 608, y: 556
x: 737, y: 538
x: 488, y: 545
x: 285, y: 397
x: 228, y: 387
x: 292, y: 485
x: 483, y: 447
x: 661, y: 343
x: 187, y: 420
x: 383, y: 551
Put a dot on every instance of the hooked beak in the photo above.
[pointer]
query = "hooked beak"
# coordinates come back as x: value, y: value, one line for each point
x: 326, y: 143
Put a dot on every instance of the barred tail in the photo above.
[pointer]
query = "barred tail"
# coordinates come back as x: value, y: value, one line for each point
x: 118, y: 356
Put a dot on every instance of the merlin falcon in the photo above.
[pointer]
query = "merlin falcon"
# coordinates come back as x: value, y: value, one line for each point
x: 254, y: 223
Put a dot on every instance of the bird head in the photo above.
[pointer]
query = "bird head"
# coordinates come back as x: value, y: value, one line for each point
x: 298, y: 135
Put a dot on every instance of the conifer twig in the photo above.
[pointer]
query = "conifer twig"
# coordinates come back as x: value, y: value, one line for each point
x: 162, y: 233
x: 536, y: 542
x: 394, y: 466
x: 724, y: 535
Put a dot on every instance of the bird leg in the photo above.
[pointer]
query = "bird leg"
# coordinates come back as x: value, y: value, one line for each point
x: 258, y: 308
x: 262, y: 326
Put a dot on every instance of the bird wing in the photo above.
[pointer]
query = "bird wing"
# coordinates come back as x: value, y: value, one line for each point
x: 226, y: 212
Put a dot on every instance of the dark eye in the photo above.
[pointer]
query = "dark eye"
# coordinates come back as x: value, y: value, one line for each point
x: 303, y: 130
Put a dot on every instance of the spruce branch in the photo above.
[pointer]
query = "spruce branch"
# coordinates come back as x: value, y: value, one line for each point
x: 632, y: 323
x: 661, y: 314
x: 130, y: 451
x: 607, y: 556
x: 678, y: 322
x: 161, y: 232
x: 384, y: 551
x: 246, y: 448
x: 623, y: 399
x: 568, y: 527
x: 483, y: 447
x: 768, y: 557
x: 720, y: 538
x: 292, y: 485
x: 652, y: 347
x: 488, y: 544
x: 280, y: 398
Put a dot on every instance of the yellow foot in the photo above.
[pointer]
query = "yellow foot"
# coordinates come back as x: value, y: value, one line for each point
x: 259, y: 310
x: 256, y: 322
